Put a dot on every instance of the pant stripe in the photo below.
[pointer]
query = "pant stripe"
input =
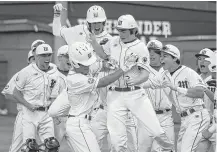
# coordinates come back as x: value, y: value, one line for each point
x: 197, y: 131
x: 84, y: 137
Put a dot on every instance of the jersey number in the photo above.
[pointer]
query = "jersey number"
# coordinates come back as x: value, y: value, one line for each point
x: 53, y: 82
x: 183, y: 84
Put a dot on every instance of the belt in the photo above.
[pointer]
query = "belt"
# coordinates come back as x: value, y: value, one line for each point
x: 189, y: 111
x: 124, y: 89
x: 162, y: 111
x: 100, y: 107
x: 86, y: 116
x: 41, y: 108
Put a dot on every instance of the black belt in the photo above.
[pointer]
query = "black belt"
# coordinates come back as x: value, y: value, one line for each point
x: 124, y: 89
x: 100, y: 107
x: 161, y: 111
x: 41, y: 108
x: 191, y: 110
x: 86, y: 116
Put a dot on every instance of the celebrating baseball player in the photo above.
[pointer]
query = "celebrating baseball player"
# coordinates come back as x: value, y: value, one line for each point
x: 34, y: 90
x: 95, y: 23
x: 209, y: 135
x: 82, y: 96
x: 17, y: 139
x: 160, y: 101
x: 188, y: 92
x: 121, y: 97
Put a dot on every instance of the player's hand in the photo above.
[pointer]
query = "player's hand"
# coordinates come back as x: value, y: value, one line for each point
x: 91, y: 38
x: 206, y: 134
x: 32, y: 107
x: 58, y: 8
x: 111, y: 64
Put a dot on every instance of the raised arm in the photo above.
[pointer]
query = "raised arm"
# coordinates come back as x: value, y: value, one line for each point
x: 57, y: 19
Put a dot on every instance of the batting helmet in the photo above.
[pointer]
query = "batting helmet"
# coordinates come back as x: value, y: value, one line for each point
x: 96, y: 14
x: 212, y: 59
x: 205, y: 52
x: 81, y: 53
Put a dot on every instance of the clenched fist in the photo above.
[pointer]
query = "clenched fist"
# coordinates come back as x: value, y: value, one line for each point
x: 58, y: 8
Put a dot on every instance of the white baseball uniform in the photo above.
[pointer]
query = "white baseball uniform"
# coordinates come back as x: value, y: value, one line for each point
x: 17, y: 139
x: 82, y: 96
x: 60, y: 122
x: 163, y: 108
x: 99, y: 121
x: 194, y: 117
x: 130, y: 98
x: 80, y: 33
x: 207, y: 144
x: 37, y: 88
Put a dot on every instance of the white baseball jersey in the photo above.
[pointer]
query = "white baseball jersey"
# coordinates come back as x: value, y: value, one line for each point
x: 158, y: 97
x: 118, y: 51
x: 80, y: 33
x: 185, y: 77
x: 37, y: 86
x: 211, y: 84
x: 9, y: 89
x: 82, y: 93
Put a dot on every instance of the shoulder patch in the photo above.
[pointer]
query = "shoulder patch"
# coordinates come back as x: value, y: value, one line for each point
x: 90, y: 80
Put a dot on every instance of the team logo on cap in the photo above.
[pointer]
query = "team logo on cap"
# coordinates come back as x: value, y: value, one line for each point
x: 119, y: 22
x: 95, y: 14
x: 89, y: 55
x: 45, y: 48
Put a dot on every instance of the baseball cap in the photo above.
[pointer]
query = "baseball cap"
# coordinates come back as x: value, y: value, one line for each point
x: 36, y: 43
x: 63, y: 50
x: 126, y: 22
x: 43, y: 49
x: 155, y: 45
x: 205, y: 52
x: 30, y: 54
x: 172, y: 50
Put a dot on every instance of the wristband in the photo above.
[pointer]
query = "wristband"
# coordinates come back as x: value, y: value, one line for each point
x: 182, y: 90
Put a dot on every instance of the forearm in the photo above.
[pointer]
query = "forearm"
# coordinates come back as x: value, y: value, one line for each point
x: 99, y: 50
x: 210, y: 94
x: 10, y: 97
x: 56, y: 25
x: 19, y: 98
x: 105, y: 81
x: 197, y: 92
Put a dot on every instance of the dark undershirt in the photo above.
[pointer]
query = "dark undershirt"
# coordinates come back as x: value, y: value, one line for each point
x: 171, y: 73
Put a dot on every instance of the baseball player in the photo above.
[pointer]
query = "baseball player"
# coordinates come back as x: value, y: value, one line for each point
x: 82, y: 96
x: 209, y: 136
x: 96, y: 19
x: 160, y: 102
x: 203, y: 64
x: 35, y: 85
x: 17, y: 138
x: 121, y: 97
x: 188, y: 92
x: 63, y: 67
